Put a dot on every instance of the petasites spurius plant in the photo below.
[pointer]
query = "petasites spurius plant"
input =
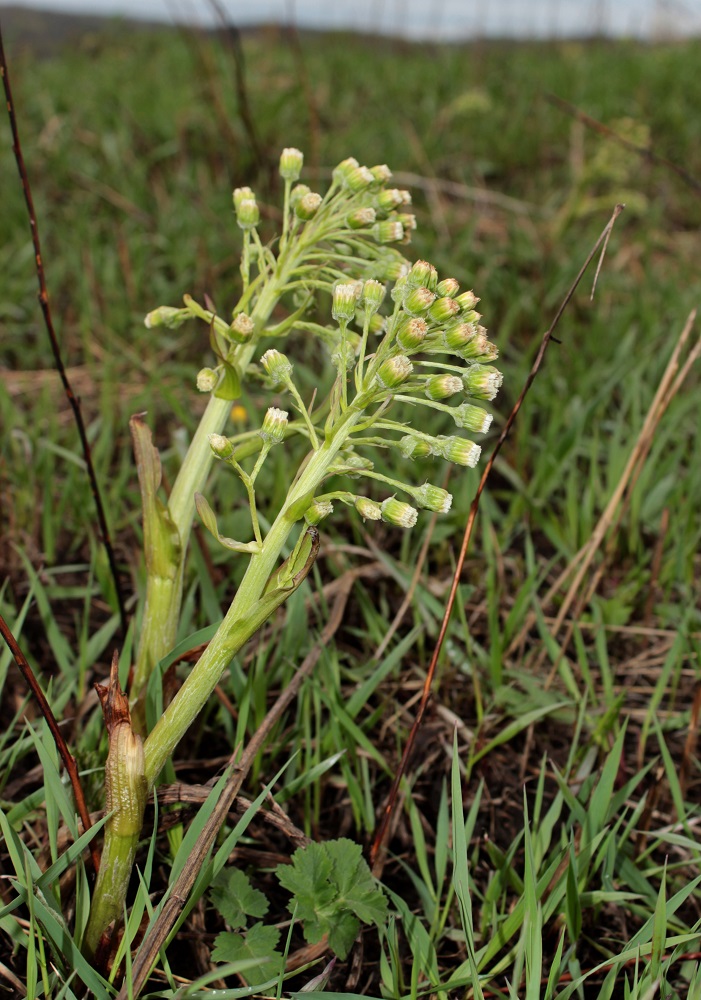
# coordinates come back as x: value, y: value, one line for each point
x: 401, y: 342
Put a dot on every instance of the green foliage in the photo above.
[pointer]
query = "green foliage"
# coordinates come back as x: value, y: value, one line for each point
x: 257, y: 948
x: 332, y: 892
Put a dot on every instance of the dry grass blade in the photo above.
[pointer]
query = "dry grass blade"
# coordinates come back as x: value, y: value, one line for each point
x: 377, y: 853
x: 669, y: 386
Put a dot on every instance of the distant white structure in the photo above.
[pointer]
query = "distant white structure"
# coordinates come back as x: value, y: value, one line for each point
x: 428, y: 20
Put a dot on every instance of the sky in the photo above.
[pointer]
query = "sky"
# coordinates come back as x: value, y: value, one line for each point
x: 428, y: 19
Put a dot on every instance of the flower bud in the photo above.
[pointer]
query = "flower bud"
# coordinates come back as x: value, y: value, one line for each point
x: 423, y: 273
x: 373, y: 294
x: 378, y: 324
x: 242, y: 194
x: 355, y: 465
x: 433, y: 498
x: 412, y: 333
x: 388, y: 231
x: 358, y: 179
x: 167, y: 316
x: 409, y: 222
x: 394, y: 371
x: 221, y: 446
x: 241, y: 328
x: 418, y: 301
x: 276, y: 365
x: 317, y: 511
x: 274, y: 425
x: 399, y: 289
x: 307, y: 206
x: 459, y: 336
x: 448, y: 287
x: 344, y: 168
x: 467, y: 300
x: 443, y: 310
x: 345, y: 298
x: 482, y: 381
x: 368, y: 509
x: 392, y: 198
x: 413, y: 447
x: 248, y: 213
x: 361, y: 218
x: 402, y: 515
x: 442, y: 386
x: 391, y: 265
x: 207, y: 379
x: 381, y: 173
x: 460, y: 451
x: 472, y: 418
x: 291, y: 161
x: 297, y: 193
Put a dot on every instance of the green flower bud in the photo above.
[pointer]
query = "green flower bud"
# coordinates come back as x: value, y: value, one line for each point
x: 291, y: 161
x: 482, y: 381
x: 413, y: 447
x: 167, y: 316
x: 459, y: 336
x: 392, y: 198
x: 412, y: 333
x: 449, y: 288
x: 467, y: 300
x: 394, y: 371
x: 418, y: 301
x: 274, y: 425
x: 345, y: 298
x: 297, y: 193
x: 409, y: 222
x: 378, y: 324
x: 423, y: 273
x: 221, y: 446
x: 277, y: 365
x: 368, y: 509
x: 402, y: 515
x: 361, y: 218
x: 388, y: 231
x: 317, y: 511
x: 443, y: 310
x: 472, y: 418
x: 207, y: 379
x: 460, y: 451
x: 241, y: 328
x: 358, y: 179
x: 442, y: 386
x: 381, y: 173
x: 248, y: 213
x: 242, y: 194
x: 400, y: 289
x: 373, y: 294
x: 355, y: 465
x: 390, y: 265
x: 344, y: 168
x: 433, y: 498
x: 307, y: 206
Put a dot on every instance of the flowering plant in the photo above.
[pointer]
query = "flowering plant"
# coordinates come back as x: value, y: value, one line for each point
x: 421, y: 345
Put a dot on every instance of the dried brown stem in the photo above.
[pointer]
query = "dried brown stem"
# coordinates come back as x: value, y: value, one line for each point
x: 58, y: 360
x: 377, y: 852
x: 61, y: 745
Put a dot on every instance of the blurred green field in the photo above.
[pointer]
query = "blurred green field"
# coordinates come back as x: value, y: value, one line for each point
x: 134, y: 142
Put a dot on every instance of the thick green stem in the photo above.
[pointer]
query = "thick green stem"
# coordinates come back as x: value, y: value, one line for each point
x: 241, y: 620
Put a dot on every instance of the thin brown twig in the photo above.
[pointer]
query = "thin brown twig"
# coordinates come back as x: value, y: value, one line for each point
x: 645, y: 151
x: 377, y: 852
x: 58, y: 360
x: 61, y: 745
x: 158, y: 934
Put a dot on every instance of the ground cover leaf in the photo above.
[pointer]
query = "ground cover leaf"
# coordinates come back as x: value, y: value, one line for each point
x: 332, y: 891
x: 258, y: 945
x: 236, y: 899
